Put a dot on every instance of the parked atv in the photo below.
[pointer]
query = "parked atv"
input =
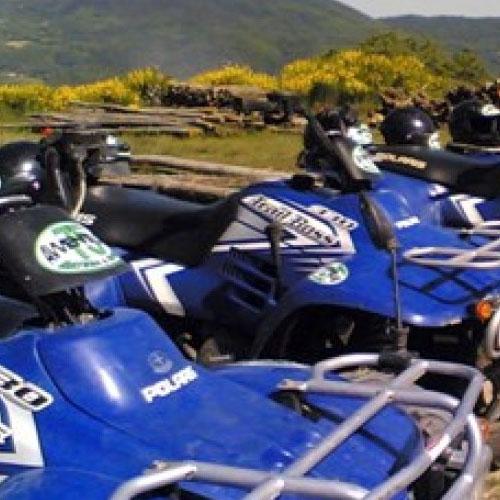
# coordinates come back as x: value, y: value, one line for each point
x: 446, y: 188
x: 437, y: 186
x: 451, y: 189
x: 289, y: 269
x: 247, y: 276
x: 98, y: 403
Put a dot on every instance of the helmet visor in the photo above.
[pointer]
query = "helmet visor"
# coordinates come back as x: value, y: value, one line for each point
x: 434, y: 141
x: 485, y: 125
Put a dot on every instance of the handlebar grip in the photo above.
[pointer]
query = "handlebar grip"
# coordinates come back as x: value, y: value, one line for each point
x: 394, y: 361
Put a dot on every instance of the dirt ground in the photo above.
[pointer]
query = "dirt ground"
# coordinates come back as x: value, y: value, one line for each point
x: 492, y: 490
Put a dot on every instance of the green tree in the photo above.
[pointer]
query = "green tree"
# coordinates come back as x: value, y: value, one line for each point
x: 465, y: 66
x: 469, y: 67
x: 392, y: 43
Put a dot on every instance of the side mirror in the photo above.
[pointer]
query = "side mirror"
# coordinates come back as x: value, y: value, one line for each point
x: 379, y: 226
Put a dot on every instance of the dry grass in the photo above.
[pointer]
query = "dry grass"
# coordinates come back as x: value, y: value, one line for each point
x: 492, y: 490
x: 264, y: 149
x: 14, y: 135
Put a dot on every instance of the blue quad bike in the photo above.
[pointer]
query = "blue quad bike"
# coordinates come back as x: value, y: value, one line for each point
x: 294, y: 270
x: 458, y: 187
x: 98, y: 402
x: 443, y: 187
x: 289, y: 269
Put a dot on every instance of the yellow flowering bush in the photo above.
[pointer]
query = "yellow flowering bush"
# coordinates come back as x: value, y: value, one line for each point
x: 26, y: 97
x: 112, y: 90
x: 355, y: 74
x: 235, y: 74
x: 359, y: 74
x: 140, y: 80
x: 129, y: 90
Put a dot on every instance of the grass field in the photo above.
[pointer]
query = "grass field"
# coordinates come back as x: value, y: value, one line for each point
x: 264, y: 149
x: 253, y: 149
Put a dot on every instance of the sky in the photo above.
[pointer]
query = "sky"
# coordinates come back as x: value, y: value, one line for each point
x: 474, y: 8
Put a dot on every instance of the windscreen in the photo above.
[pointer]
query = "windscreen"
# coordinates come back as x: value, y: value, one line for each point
x: 44, y: 251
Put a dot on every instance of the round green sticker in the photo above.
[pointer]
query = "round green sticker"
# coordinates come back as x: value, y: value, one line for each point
x: 70, y: 248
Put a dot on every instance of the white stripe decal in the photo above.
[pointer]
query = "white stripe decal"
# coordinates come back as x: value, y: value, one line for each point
x: 27, y: 451
x: 468, y: 205
x: 157, y: 278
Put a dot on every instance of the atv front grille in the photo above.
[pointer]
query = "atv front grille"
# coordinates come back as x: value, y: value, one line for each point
x: 252, y: 281
x: 264, y: 485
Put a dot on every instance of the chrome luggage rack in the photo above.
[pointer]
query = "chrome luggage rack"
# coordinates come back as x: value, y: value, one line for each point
x: 263, y: 485
x: 490, y: 228
x: 486, y: 256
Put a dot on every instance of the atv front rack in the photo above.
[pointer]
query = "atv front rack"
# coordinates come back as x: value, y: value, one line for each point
x: 263, y: 485
x: 486, y: 256
x: 490, y: 228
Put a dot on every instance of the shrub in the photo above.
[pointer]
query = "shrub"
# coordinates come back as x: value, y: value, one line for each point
x: 148, y: 83
x: 356, y: 76
x: 129, y: 90
x: 235, y: 74
x: 25, y: 98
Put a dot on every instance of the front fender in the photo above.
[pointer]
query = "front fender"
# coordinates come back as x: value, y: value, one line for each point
x: 52, y: 483
x: 367, y: 289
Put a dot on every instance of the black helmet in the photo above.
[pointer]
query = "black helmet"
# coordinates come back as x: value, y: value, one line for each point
x: 20, y: 169
x: 409, y: 126
x: 474, y: 122
x: 343, y: 121
x: 114, y: 160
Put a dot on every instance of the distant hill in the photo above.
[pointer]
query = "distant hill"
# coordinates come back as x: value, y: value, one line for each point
x: 78, y: 40
x: 81, y: 40
x: 479, y: 34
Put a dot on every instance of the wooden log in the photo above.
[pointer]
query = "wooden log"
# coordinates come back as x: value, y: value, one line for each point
x: 171, y: 184
x: 103, y: 106
x: 172, y: 131
x: 205, y: 126
x: 182, y: 132
x: 153, y: 110
x: 205, y: 167
x: 113, y: 120
x: 8, y: 126
x: 59, y: 117
x: 295, y: 130
x: 173, y: 121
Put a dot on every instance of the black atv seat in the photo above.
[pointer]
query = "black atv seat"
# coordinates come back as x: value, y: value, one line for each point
x: 14, y: 313
x: 157, y: 225
x: 464, y: 174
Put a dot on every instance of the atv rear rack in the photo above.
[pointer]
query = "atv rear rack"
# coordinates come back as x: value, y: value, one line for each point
x: 485, y: 257
x: 490, y: 228
x: 264, y: 485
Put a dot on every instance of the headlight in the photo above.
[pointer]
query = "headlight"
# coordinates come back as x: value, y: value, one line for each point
x: 492, y: 336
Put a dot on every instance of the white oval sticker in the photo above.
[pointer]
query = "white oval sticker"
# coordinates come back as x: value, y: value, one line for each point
x: 334, y: 273
x: 70, y: 248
